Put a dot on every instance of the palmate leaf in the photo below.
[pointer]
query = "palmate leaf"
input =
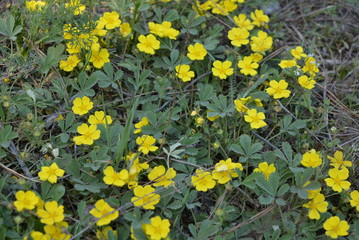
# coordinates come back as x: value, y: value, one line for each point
x: 7, y: 27
x: 6, y: 135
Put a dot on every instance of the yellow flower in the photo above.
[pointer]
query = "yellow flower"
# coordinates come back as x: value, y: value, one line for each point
x: 335, y: 228
x: 242, y: 22
x: 51, y: 173
x: 258, y: 102
x: 145, y: 197
x: 55, y: 231
x: 36, y: 235
x: 337, y: 179
x: 261, y: 43
x: 148, y: 44
x: 312, y: 193
x: 259, y: 18
x: 160, y: 177
x: 25, y: 200
x: 70, y: 63
x: 278, y: 89
x: 257, y: 57
x: 222, y: 69
x: 82, y: 105
x: 75, y: 6
x: 163, y: 30
x: 103, y: 235
x: 53, y: 213
x: 266, y: 169
x: 240, y: 104
x: 224, y: 170
x: 298, y: 53
x: 99, y: 57
x: 238, y: 36
x: 125, y: 29
x: 337, y: 160
x: 287, y: 63
x: 158, y: 228
x: 196, y: 52
x: 115, y: 178
x: 306, y: 82
x: 110, y: 20
x: 32, y: 6
x: 311, y: 159
x: 310, y: 66
x: 73, y: 48
x: 247, y: 66
x: 255, y: 119
x: 183, y: 72
x: 203, y: 180
x: 100, y: 118
x: 88, y: 134
x: 104, y: 213
x: 139, y: 125
x: 146, y: 143
x: 316, y: 205
x: 354, y: 201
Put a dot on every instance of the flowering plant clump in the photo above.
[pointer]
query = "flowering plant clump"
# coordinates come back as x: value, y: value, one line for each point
x: 175, y: 119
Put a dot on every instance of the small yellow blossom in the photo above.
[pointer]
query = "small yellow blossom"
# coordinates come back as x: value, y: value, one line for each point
x: 82, y: 105
x: 261, y: 43
x: 199, y: 121
x: 100, y: 118
x: 25, y: 200
x: 298, y: 53
x: 203, y: 180
x: 99, y: 57
x: 335, y: 227
x: 104, y: 213
x: 145, y: 197
x: 110, y: 20
x: 238, y: 36
x: 32, y: 6
x: 222, y: 69
x: 287, y: 63
x: 211, y: 118
x: 146, y: 144
x: 316, y: 205
x: 160, y: 177
x: 115, y: 178
x: 139, y: 125
x: 354, y: 201
x: 337, y: 179
x: 278, y: 89
x: 224, y: 170
x: 266, y: 169
x: 248, y: 66
x: 243, y: 22
x: 158, y: 228
x: 88, y: 134
x: 257, y: 57
x: 125, y: 29
x: 70, y: 63
x: 56, y: 231
x: 337, y: 161
x: 196, y: 52
x: 240, y: 104
x: 148, y: 44
x: 51, y: 173
x: 258, y: 102
x: 311, y: 159
x: 255, y: 119
x: 183, y: 72
x: 52, y: 213
x: 36, y: 235
x: 75, y: 6
x: 306, y: 82
x: 259, y: 18
x: 310, y: 66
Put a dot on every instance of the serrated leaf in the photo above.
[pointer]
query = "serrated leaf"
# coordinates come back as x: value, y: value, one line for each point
x: 266, y: 200
x: 177, y: 204
x: 6, y: 135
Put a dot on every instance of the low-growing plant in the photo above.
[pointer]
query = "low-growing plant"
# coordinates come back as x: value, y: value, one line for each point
x: 160, y: 119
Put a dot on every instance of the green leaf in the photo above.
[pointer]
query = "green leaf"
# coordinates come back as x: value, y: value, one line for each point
x: 171, y: 16
x: 177, y: 204
x: 81, y: 209
x: 207, y: 229
x: 56, y: 192
x: 7, y: 27
x: 54, y: 55
x: 84, y: 85
x: 6, y: 135
x: 266, y: 200
x: 283, y: 189
x: 247, y: 148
